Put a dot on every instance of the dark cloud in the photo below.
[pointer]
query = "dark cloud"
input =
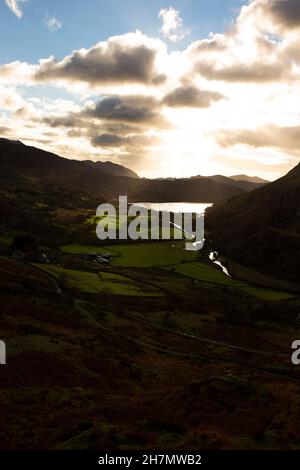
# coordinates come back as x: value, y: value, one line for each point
x: 119, y: 128
x: 137, y: 110
x: 70, y: 120
x: 127, y: 115
x: 116, y: 122
x: 254, y: 72
x: 191, y: 96
x: 285, y: 13
x: 108, y: 140
x: 5, y: 130
x: 138, y: 141
x: 116, y: 61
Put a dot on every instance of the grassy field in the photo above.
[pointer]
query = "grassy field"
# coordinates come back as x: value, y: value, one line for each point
x: 143, y: 226
x: 75, y: 249
x: 7, y: 239
x: 93, y: 283
x: 204, y: 272
x: 171, y: 256
x: 267, y: 294
x: 151, y: 254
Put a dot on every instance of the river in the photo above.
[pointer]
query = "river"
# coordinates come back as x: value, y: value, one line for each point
x: 187, y: 207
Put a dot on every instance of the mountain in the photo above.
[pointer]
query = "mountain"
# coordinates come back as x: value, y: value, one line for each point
x: 261, y: 229
x: 247, y: 184
x: 11, y: 142
x: 250, y: 179
x: 34, y: 167
x: 201, y: 189
x: 51, y: 196
x: 115, y: 169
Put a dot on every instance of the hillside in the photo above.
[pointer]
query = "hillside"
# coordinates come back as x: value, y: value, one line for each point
x: 44, y: 170
x: 115, y: 169
x: 249, y: 179
x: 261, y: 229
x: 53, y: 197
x: 155, y: 348
x: 247, y: 183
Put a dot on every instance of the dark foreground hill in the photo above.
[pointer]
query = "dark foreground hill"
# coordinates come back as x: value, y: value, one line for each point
x: 261, y: 229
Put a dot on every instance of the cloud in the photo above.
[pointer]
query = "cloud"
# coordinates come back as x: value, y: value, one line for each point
x: 11, y: 101
x: 191, y: 97
x: 281, y: 15
x: 5, y: 130
x: 255, y: 72
x: 131, y: 98
x: 114, y: 122
x: 14, y: 6
x: 108, y: 140
x: 121, y: 59
x: 286, y: 13
x: 284, y: 138
x: 70, y: 120
x: 17, y: 72
x: 124, y: 123
x: 132, y: 109
x: 138, y: 141
x: 172, y: 27
x: 261, y: 47
x: 217, y: 43
x: 52, y: 23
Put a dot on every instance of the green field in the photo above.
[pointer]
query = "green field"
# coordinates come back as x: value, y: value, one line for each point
x: 151, y: 254
x: 75, y: 249
x: 169, y: 255
x: 204, y: 272
x: 267, y: 294
x: 118, y: 222
x: 7, y: 239
x: 102, y: 282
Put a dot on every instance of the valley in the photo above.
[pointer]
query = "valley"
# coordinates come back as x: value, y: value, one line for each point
x: 134, y: 344
x: 137, y: 353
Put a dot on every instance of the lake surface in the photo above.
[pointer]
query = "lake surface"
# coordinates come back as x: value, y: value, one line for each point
x: 179, y: 207
x: 188, y: 207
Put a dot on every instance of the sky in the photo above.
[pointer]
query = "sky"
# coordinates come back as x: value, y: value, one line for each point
x: 177, y: 88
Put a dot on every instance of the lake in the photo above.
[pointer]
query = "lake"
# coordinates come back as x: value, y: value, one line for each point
x: 187, y: 207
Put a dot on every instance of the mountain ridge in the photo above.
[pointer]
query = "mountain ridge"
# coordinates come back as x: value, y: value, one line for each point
x: 31, y: 162
x: 250, y: 179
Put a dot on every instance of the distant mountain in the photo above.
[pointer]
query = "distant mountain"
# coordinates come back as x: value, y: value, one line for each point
x: 261, y: 229
x: 115, y: 169
x: 48, y: 195
x: 47, y: 170
x: 247, y: 184
x: 250, y: 179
